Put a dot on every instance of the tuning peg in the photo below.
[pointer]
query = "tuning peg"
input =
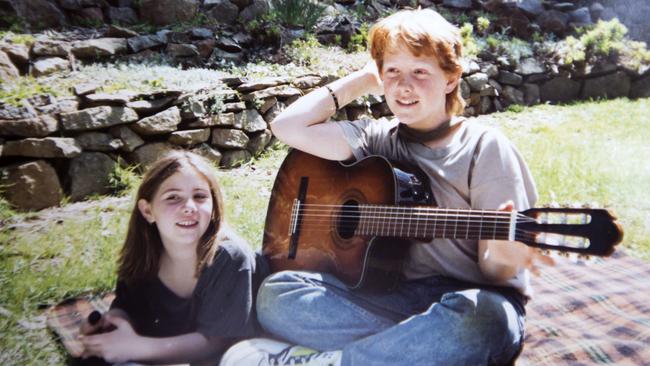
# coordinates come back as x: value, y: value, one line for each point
x: 584, y: 257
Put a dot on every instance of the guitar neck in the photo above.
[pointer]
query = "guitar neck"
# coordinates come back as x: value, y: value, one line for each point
x: 431, y: 222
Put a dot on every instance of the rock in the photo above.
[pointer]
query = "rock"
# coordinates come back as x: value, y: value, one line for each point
x: 529, y: 66
x: 160, y: 123
x: 256, y: 10
x: 580, y: 17
x: 51, y: 48
x: 115, y: 31
x: 139, y: 43
x: 513, y: 95
x: 192, y: 108
x: 48, y: 147
x: 98, y: 141
x: 228, y: 44
x: 50, y: 65
x: 97, y: 117
x: 89, y: 174
x: 559, y: 89
x: 307, y: 81
x: 85, y: 88
x: 258, y: 142
x: 165, y: 12
x: 608, y: 86
x: 208, y: 152
x: 189, y: 137
x: 233, y: 107
x: 201, y: 33
x: 25, y: 110
x: 148, y: 107
x: 130, y: 140
x: 458, y: 4
x: 229, y: 138
x: 122, y: 15
x: 8, y: 70
x: 147, y: 154
x: 99, y: 47
x: 182, y: 50
x: 18, y: 53
x: 250, y: 121
x: 281, y: 92
x: 70, y: 4
x: 553, y: 21
x: 223, y: 11
x: 532, y: 8
x: 641, y: 88
x: 42, y: 14
x: 62, y: 105
x: 234, y: 158
x: 477, y: 81
x: 260, y: 84
x: 120, y: 98
x: 268, y: 103
x: 220, y: 56
x: 510, y: 78
x: 31, y: 186
x: 531, y: 94
x: 40, y: 126
x: 90, y: 15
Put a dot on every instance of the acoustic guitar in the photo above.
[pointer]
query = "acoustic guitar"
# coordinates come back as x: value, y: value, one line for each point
x: 357, y: 221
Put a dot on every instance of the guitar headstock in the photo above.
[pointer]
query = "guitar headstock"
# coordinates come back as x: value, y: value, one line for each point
x: 585, y: 231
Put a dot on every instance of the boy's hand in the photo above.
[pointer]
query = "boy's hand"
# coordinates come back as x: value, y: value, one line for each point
x: 522, y: 255
x: 376, y: 86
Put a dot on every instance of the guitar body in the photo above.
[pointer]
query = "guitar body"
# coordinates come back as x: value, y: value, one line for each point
x: 323, y: 244
x: 357, y: 221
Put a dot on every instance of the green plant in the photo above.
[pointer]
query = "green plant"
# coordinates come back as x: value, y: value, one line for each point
x: 482, y: 24
x: 469, y: 43
x: 297, y: 13
x: 359, y: 40
x: 17, y: 38
x: 24, y: 87
x: 124, y: 179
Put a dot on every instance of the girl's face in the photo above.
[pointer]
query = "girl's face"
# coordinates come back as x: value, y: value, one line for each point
x: 415, y: 88
x: 181, y: 209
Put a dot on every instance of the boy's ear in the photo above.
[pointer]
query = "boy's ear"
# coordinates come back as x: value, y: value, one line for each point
x: 452, y: 83
x: 145, y: 210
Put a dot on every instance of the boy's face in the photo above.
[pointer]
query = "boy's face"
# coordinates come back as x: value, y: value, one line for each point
x: 416, y: 88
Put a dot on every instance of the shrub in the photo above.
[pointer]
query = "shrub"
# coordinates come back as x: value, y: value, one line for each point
x: 469, y: 44
x: 297, y: 13
x: 359, y: 40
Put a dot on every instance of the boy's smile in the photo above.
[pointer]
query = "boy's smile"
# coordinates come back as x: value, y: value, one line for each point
x: 415, y: 88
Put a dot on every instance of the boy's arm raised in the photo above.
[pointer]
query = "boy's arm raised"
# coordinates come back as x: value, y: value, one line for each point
x: 303, y: 124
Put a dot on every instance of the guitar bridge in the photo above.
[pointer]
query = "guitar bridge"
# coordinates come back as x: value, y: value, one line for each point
x: 296, y: 218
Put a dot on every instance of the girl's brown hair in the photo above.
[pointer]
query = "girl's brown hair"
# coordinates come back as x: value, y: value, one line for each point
x: 423, y: 32
x: 140, y: 255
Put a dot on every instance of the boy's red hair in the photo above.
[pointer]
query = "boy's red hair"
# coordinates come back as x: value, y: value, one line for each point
x: 423, y: 32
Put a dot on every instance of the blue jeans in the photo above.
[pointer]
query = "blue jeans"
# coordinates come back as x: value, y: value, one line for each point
x: 431, y: 321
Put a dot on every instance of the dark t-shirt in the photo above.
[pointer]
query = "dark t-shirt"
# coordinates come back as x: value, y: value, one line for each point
x: 222, y: 303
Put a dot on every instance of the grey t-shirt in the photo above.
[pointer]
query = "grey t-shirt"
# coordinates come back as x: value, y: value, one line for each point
x: 479, y: 169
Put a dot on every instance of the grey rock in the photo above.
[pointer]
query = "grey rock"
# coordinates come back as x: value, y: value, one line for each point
x: 513, y: 95
x: 147, y: 154
x: 18, y: 53
x: 62, y: 105
x: 532, y: 8
x: 201, y: 33
x: 139, y: 43
x: 182, y: 50
x: 640, y: 88
x: 268, y: 103
x: 608, y: 86
x: 42, y: 14
x: 229, y: 138
x: 477, y: 81
x: 458, y: 4
x: 530, y: 66
x: 25, y: 110
x: 307, y: 81
x: 559, y: 89
x: 258, y: 142
x: 85, y: 88
x: 260, y: 84
x: 8, y: 70
x: 250, y: 121
x: 96, y: 118
x: 164, y: 12
x: 254, y: 11
x: 581, y: 17
x: 233, y: 107
x: 160, y: 123
x: 553, y: 21
x: 130, y: 140
x: 281, y: 92
x: 189, y: 137
x: 31, y: 186
x: 208, y: 152
x: 40, y: 126
x: 122, y: 15
x: 120, y: 98
x: 510, y: 78
x: 115, y: 31
x: 48, y: 147
x: 99, y: 47
x: 50, y: 65
x: 98, y: 141
x: 223, y: 11
x: 148, y: 107
x: 234, y: 158
x: 531, y: 94
x: 89, y: 174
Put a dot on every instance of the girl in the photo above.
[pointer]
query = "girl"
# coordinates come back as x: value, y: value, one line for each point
x: 186, y: 284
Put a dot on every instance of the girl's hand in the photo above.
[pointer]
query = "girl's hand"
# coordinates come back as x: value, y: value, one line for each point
x: 119, y: 345
x: 376, y: 86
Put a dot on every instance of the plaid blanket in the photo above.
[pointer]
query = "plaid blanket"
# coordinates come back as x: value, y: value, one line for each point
x: 582, y: 314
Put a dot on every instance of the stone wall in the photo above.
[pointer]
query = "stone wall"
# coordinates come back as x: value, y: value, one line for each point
x: 50, y: 146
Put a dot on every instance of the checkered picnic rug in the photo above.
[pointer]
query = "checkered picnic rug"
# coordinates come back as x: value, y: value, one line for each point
x: 582, y: 314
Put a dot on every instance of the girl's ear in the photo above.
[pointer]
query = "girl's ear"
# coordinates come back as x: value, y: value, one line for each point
x: 145, y: 210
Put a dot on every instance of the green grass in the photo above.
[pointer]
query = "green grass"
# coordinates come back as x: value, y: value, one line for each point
x: 589, y: 152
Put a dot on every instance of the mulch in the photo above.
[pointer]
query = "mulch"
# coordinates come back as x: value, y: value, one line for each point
x: 582, y: 314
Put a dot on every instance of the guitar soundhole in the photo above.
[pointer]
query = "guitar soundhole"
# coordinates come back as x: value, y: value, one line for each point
x: 348, y: 219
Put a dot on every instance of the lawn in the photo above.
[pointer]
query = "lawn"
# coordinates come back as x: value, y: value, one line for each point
x: 587, y: 152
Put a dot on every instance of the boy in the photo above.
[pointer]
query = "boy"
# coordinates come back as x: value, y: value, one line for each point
x: 461, y: 301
